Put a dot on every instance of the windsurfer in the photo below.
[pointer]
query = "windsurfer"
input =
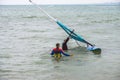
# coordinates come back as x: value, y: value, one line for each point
x: 58, y: 51
x: 64, y: 44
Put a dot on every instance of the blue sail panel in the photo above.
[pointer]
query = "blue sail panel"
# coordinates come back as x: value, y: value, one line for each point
x: 70, y: 32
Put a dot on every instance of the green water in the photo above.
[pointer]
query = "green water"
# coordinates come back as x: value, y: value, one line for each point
x: 27, y: 37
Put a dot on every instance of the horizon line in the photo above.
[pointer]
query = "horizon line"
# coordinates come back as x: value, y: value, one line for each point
x: 112, y: 3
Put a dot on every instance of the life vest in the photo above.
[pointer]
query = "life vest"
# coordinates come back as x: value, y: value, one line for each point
x: 57, y: 50
x: 57, y: 53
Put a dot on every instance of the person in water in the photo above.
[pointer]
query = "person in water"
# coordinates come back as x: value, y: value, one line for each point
x: 57, y: 52
x: 64, y: 44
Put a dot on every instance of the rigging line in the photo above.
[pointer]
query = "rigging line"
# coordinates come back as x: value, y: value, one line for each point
x: 77, y: 43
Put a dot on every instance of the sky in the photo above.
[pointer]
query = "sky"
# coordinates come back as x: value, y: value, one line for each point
x: 26, y: 2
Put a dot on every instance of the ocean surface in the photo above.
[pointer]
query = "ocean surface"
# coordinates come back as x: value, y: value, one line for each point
x: 27, y: 37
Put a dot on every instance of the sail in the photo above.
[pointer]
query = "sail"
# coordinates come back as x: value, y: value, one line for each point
x: 70, y: 32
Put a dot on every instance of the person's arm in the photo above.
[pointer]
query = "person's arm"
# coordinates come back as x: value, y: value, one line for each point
x: 65, y: 53
x: 52, y: 53
x: 67, y: 40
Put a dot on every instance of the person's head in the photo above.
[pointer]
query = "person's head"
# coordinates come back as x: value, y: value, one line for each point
x: 57, y: 45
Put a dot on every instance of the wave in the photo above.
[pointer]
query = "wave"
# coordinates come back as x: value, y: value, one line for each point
x: 30, y: 17
x: 34, y: 17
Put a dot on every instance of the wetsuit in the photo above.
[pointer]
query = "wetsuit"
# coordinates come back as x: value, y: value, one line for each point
x: 64, y: 44
x: 58, y: 51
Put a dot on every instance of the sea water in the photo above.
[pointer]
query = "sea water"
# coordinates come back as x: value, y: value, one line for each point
x: 27, y: 37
